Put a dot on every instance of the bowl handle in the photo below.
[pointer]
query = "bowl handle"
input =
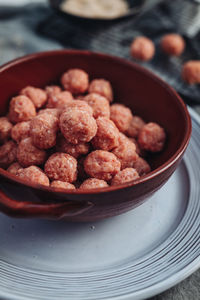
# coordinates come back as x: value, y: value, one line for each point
x: 16, y: 208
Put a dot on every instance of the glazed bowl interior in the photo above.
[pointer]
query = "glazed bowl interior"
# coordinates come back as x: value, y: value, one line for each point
x: 147, y: 96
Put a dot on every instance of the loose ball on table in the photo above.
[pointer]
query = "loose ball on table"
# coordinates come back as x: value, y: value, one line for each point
x: 191, y: 72
x: 142, y: 48
x: 173, y: 44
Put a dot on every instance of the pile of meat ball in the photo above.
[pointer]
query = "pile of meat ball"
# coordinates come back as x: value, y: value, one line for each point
x: 73, y: 138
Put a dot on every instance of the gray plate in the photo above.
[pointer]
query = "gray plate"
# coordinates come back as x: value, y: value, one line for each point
x: 132, y: 256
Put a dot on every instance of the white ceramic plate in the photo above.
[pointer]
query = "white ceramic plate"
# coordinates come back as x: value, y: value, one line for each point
x: 132, y: 256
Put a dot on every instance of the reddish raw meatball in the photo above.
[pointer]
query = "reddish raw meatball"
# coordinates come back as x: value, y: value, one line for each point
x: 101, y: 87
x: 59, y: 100
x: 64, y: 146
x: 20, y: 131
x: 61, y: 166
x: 79, y: 105
x: 21, y: 109
x: 121, y: 116
x: 13, y: 169
x: 53, y: 111
x: 125, y: 175
x: 77, y: 126
x: 142, y: 48
x: 43, y: 131
x: 36, y: 95
x: 76, y: 81
x: 173, y: 44
x: 125, y: 152
x: 152, y: 137
x: 107, y: 136
x: 141, y: 166
x: 134, y: 126
x: 33, y: 174
x: 99, y: 104
x: 7, y: 154
x: 5, y: 129
x: 62, y: 185
x: 139, y: 151
x: 93, y: 183
x: 191, y: 71
x: 102, y: 165
x: 52, y: 90
x: 28, y: 154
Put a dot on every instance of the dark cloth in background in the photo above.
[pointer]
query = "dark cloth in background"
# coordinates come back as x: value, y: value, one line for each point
x: 36, y: 28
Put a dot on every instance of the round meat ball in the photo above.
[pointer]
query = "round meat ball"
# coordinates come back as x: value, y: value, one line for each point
x: 36, y: 95
x: 126, y: 175
x: 152, y: 137
x: 77, y: 126
x: 59, y: 100
x: 107, y: 136
x: 139, y: 151
x: 93, y: 183
x: 21, y: 109
x: 79, y: 105
x: 76, y: 151
x: 102, y: 165
x: 62, y: 185
x: 121, y: 116
x: 142, y: 48
x: 20, y: 131
x: 7, y: 154
x: 61, y: 166
x: 76, y: 81
x: 52, y: 90
x: 99, y: 104
x: 33, y: 174
x: 191, y: 71
x: 125, y: 152
x: 5, y: 129
x: 101, y: 87
x: 43, y: 131
x: 173, y: 44
x: 53, y: 111
x: 141, y: 166
x: 28, y: 154
x: 13, y: 169
x: 134, y: 126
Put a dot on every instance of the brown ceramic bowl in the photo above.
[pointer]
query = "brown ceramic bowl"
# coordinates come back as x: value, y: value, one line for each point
x: 146, y: 94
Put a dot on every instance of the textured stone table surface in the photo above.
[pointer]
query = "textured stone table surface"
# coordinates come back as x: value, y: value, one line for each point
x: 15, y: 41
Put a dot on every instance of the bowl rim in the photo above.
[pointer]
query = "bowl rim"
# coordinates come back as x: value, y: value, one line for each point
x: 172, y: 160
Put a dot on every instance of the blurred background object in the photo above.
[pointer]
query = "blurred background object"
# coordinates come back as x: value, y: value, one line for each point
x: 28, y: 26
